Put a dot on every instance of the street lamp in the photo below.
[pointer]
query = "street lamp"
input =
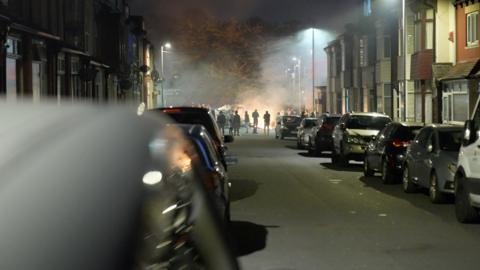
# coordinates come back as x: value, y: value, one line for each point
x: 298, y: 66
x: 167, y: 45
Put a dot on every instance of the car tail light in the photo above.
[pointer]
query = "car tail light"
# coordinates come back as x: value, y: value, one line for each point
x: 171, y: 110
x: 326, y: 126
x: 400, y: 144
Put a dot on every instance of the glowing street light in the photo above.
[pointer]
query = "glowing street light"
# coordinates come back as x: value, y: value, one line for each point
x: 167, y: 45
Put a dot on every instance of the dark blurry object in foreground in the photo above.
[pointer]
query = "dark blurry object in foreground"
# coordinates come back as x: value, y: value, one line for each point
x: 214, y: 174
x: 101, y: 188
x: 204, y: 117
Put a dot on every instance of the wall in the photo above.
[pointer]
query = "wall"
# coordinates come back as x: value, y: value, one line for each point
x: 464, y: 53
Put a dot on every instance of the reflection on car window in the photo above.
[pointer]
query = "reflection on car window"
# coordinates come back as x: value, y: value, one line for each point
x: 406, y: 133
x: 450, y: 140
x: 367, y: 122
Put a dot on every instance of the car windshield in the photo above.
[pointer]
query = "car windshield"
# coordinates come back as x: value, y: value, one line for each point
x: 310, y: 123
x: 291, y: 120
x: 331, y: 120
x: 406, y: 133
x: 450, y: 140
x: 367, y: 122
x: 200, y: 118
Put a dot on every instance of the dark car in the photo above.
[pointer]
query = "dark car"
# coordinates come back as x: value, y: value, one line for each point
x: 286, y: 126
x: 215, y: 178
x: 386, y: 154
x: 323, y: 140
x: 431, y: 161
x: 101, y: 188
x: 204, y: 117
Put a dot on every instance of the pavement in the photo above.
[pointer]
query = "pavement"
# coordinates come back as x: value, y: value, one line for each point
x: 291, y: 211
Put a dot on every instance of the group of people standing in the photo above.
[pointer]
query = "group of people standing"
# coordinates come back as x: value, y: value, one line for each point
x: 235, y: 122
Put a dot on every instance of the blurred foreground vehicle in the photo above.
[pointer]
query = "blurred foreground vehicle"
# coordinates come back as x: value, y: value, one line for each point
x: 286, y: 126
x: 96, y: 188
x: 322, y: 134
x: 431, y: 161
x: 304, y: 133
x: 352, y: 134
x: 214, y: 175
x: 467, y: 176
x: 386, y: 154
x: 204, y: 117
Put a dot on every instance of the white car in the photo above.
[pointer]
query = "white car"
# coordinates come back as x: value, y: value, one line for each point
x: 467, y: 176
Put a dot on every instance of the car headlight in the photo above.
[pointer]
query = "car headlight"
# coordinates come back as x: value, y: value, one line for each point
x: 354, y: 140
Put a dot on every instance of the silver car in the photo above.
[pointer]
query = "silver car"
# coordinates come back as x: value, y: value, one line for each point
x: 431, y: 161
x: 305, y: 132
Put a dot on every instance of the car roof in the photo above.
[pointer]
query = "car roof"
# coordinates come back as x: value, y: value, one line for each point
x: 375, y: 114
x: 182, y: 108
x: 410, y: 124
x: 445, y: 126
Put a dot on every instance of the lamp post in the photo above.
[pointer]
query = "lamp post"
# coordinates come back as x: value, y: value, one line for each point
x: 298, y: 66
x: 162, y: 70
x: 313, y: 71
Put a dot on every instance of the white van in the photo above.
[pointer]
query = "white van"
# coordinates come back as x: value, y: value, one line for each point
x: 467, y: 176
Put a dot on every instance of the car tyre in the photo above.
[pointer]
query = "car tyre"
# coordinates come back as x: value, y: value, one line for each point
x: 408, y: 186
x: 366, y: 168
x: 436, y: 196
x: 464, y: 212
x: 343, y: 160
x: 387, y: 176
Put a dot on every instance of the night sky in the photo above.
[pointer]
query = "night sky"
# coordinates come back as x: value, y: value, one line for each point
x: 330, y: 15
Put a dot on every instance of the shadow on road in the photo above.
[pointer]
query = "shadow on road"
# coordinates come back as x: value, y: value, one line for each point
x: 307, y: 155
x: 419, y: 199
x: 348, y: 168
x: 248, y: 237
x: 294, y: 147
x: 242, y: 188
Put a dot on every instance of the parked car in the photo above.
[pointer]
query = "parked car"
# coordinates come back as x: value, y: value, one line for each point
x: 101, y: 188
x: 467, y: 176
x: 352, y: 134
x: 305, y: 129
x: 204, y: 117
x: 386, y: 154
x: 321, y: 139
x: 214, y: 174
x: 287, y: 126
x: 431, y: 161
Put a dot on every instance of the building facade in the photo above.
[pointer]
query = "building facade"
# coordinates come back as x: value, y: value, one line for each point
x: 68, y: 50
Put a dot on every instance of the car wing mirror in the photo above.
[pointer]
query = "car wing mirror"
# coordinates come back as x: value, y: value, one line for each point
x: 467, y: 132
x: 429, y: 148
x: 228, y: 138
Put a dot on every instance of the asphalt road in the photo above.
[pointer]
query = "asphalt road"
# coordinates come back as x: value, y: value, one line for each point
x: 292, y: 211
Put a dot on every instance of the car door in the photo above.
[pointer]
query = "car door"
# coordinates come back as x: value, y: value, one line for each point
x: 470, y: 151
x: 425, y: 159
x: 338, y: 133
x: 417, y: 151
x: 375, y: 147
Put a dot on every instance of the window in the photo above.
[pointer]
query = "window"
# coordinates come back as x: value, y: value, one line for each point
x: 455, y: 102
x: 472, y: 29
x: 418, y: 36
x: 363, y: 61
x: 386, y: 47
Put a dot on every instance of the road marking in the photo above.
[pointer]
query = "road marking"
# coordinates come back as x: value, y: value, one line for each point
x: 353, y: 212
x: 335, y: 181
x: 382, y: 215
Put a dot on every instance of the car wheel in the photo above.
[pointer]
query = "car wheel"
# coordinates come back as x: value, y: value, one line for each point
x: 387, y: 175
x: 299, y: 145
x: 343, y: 159
x: 464, y: 212
x: 408, y: 186
x: 436, y: 196
x: 366, y: 168
x: 311, y: 151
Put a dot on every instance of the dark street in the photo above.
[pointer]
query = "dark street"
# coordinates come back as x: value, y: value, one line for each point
x: 318, y: 216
